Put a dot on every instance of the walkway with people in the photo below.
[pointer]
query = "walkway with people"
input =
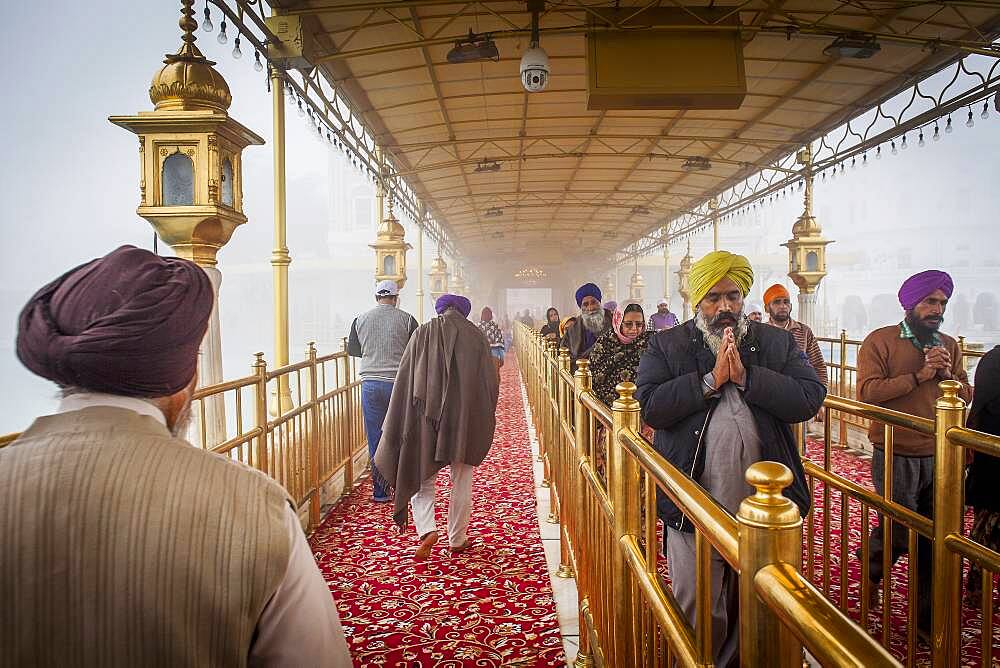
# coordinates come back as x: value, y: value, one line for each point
x: 490, y: 606
x: 493, y: 605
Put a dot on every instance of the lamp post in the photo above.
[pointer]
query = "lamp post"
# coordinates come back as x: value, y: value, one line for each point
x: 439, y: 277
x: 390, y: 250
x: 191, y: 181
x: 807, y: 247
x: 683, y: 271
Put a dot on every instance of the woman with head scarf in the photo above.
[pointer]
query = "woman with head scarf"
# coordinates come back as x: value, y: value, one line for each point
x: 493, y: 334
x: 981, y: 484
x: 551, y: 328
x: 615, y: 356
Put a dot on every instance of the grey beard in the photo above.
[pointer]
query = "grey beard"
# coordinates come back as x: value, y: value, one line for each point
x: 712, y: 338
x: 593, y: 321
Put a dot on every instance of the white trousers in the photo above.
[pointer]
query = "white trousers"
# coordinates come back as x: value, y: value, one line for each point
x: 459, y: 505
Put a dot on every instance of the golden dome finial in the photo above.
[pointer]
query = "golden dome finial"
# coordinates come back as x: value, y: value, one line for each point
x: 187, y: 81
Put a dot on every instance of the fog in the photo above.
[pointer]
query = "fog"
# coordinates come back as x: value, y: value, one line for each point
x: 69, y: 188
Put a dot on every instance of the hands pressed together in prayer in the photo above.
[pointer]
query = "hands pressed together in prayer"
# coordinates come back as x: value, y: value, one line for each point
x: 728, y: 365
x: 937, y: 362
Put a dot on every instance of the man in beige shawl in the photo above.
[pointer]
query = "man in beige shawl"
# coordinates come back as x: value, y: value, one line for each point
x: 442, y: 413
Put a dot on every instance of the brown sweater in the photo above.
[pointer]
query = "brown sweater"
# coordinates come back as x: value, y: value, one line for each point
x: 124, y: 546
x: 887, y: 365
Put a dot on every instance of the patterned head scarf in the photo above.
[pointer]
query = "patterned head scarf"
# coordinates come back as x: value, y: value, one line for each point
x: 457, y: 302
x: 619, y: 316
x: 129, y: 323
x: 486, y: 315
x: 916, y: 288
x: 716, y: 266
x: 587, y: 290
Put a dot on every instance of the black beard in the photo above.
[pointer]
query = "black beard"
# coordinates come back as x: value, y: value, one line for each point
x: 924, y: 331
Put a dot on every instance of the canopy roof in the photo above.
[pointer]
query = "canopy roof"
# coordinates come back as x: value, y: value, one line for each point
x: 573, y: 180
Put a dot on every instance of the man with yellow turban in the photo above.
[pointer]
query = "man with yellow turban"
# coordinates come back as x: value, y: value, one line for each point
x: 722, y: 393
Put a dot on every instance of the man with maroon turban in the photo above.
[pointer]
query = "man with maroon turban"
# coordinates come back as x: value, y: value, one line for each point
x: 124, y: 544
x: 899, y: 367
x: 442, y: 413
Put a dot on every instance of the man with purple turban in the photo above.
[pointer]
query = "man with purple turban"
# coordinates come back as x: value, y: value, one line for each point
x: 899, y: 367
x: 117, y: 525
x: 442, y: 413
x: 590, y: 324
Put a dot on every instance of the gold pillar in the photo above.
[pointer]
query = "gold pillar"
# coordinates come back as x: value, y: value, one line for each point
x: 946, y: 620
x: 420, y: 271
x: 713, y: 207
x: 666, y: 267
x: 683, y: 271
x: 770, y: 532
x: 807, y: 247
x: 280, y: 259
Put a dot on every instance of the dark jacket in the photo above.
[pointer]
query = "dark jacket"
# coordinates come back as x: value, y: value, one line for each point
x: 984, y: 415
x: 781, y: 389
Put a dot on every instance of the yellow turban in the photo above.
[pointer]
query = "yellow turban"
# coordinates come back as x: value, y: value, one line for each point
x: 716, y: 266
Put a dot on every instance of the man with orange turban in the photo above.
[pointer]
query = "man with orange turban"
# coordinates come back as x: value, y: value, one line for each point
x: 778, y: 305
x: 721, y: 391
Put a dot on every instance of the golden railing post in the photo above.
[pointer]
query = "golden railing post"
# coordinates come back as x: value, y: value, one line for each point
x: 948, y: 507
x: 623, y: 486
x: 582, y: 384
x: 551, y: 417
x: 260, y: 412
x: 770, y: 532
x: 566, y: 478
x: 313, y: 438
x: 842, y: 385
x: 348, y: 418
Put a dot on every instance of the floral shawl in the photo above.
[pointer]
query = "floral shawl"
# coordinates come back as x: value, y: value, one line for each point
x: 612, y: 362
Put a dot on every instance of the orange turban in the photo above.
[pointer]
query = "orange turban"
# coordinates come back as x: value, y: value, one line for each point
x: 774, y: 292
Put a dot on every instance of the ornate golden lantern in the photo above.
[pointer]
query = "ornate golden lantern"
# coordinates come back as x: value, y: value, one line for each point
x: 807, y: 247
x: 191, y: 182
x: 439, y: 278
x: 390, y: 250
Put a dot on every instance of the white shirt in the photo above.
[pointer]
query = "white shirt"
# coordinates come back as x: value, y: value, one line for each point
x: 299, y: 626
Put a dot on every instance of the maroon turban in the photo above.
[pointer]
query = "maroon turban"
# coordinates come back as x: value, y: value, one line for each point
x: 458, y: 302
x: 129, y: 323
x: 917, y: 287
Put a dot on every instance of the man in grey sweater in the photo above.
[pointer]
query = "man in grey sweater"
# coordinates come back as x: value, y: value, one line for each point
x: 379, y: 337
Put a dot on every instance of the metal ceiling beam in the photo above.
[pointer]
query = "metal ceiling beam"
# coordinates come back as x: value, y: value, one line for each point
x: 413, y: 146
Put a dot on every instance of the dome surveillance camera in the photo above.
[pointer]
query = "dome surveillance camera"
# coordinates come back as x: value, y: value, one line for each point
x: 535, y: 69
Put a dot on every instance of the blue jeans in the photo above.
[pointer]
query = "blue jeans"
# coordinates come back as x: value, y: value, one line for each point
x: 374, y: 404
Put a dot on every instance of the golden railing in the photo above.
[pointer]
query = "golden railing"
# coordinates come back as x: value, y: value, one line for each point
x: 610, y: 541
x: 306, y: 447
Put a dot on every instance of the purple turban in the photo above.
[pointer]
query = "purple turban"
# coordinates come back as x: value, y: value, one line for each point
x: 458, y: 302
x: 611, y: 306
x: 587, y: 290
x: 917, y: 287
x: 129, y: 323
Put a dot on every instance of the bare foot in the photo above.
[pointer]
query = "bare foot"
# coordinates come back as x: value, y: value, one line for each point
x: 426, y: 543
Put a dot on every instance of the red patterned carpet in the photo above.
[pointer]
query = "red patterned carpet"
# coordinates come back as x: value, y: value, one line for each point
x: 859, y: 470
x: 490, y: 606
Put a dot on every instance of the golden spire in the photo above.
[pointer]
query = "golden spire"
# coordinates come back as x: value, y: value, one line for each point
x: 187, y: 81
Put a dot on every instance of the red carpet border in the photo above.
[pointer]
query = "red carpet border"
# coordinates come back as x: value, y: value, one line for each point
x: 490, y: 606
x: 858, y: 470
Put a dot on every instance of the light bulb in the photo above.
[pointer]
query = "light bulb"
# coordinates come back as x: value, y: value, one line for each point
x: 237, y: 54
x: 937, y: 133
x: 947, y: 126
x: 904, y: 143
x: 302, y: 112
x: 878, y: 153
x: 920, y: 139
x: 854, y: 163
x: 206, y: 25
x: 864, y: 159
x: 969, y: 123
x: 222, y: 38
x: 893, y: 149
x: 986, y: 111
x: 257, y: 65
